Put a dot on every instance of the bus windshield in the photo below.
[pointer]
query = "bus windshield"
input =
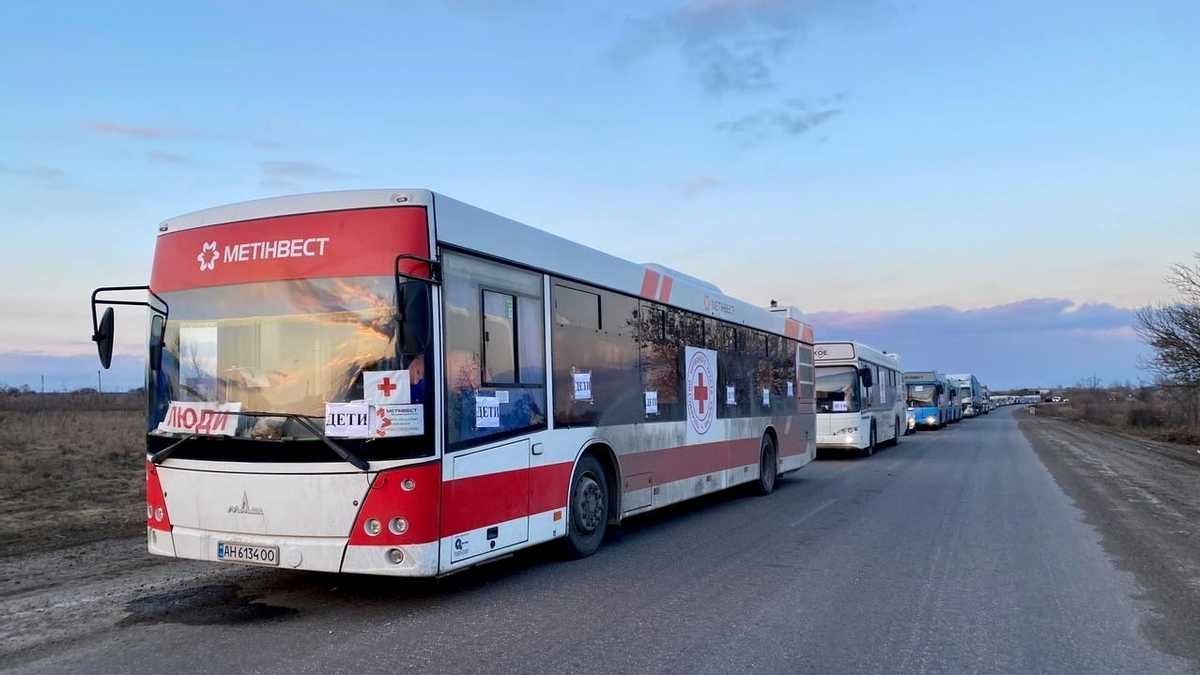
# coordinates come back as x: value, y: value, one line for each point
x: 837, y: 389
x: 280, y: 346
x: 921, y: 395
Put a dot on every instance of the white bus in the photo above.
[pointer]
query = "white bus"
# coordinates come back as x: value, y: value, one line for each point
x: 394, y: 382
x: 860, y: 397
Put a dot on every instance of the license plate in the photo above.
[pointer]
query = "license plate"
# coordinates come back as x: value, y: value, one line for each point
x: 247, y: 553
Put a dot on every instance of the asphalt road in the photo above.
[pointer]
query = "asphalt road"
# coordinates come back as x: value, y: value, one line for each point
x: 955, y: 552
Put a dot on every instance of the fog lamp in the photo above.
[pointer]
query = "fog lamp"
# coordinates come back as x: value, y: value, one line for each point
x: 395, y: 556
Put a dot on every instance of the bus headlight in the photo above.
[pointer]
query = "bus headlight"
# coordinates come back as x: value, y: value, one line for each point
x: 398, y: 525
x: 395, y: 556
x: 931, y: 420
x: 372, y: 527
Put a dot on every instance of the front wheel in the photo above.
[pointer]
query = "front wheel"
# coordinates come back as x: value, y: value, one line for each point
x: 589, y: 509
x: 870, y: 449
x: 896, y: 438
x: 768, y: 467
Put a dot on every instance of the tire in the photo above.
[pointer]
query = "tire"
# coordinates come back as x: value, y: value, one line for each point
x: 768, y: 467
x: 896, y: 438
x: 588, y: 509
x: 870, y: 449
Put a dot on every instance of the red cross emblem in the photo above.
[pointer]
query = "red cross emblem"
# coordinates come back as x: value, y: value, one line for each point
x: 700, y: 392
x: 386, y: 387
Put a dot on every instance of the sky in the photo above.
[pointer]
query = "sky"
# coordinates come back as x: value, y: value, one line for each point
x: 985, y: 187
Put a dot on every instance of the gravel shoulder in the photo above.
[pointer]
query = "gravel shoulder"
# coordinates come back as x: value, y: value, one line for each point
x: 1143, y: 497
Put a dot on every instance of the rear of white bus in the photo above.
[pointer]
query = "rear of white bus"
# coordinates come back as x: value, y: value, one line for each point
x: 291, y: 414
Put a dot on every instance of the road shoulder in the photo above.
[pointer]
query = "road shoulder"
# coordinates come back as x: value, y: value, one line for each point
x: 1144, y: 500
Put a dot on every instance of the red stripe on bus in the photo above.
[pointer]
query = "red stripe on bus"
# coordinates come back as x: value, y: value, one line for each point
x: 664, y: 294
x: 807, y: 337
x: 479, y: 501
x: 649, y: 284
x: 792, y: 329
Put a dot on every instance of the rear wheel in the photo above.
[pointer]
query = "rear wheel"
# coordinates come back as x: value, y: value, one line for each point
x: 768, y: 467
x: 589, y: 509
x: 896, y: 437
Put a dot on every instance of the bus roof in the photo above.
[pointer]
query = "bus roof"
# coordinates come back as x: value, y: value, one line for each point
x: 461, y: 225
x: 849, y: 350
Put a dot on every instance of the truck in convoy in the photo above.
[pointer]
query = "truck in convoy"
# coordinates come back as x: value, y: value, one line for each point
x: 860, y: 397
x: 968, y: 394
x: 929, y: 399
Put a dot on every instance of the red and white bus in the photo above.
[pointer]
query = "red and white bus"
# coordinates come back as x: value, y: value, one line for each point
x: 395, y: 382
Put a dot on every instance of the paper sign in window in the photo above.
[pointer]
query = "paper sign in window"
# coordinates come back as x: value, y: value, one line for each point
x: 389, y: 421
x: 487, y: 412
x: 386, y: 387
x: 730, y: 395
x: 651, y: 402
x: 583, y: 386
x: 791, y: 389
x: 840, y: 406
x: 347, y: 420
x: 766, y: 397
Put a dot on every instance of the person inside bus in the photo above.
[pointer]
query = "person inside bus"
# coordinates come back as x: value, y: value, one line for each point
x: 416, y: 379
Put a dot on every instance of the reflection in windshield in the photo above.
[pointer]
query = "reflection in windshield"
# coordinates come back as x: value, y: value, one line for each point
x: 288, y: 346
x: 837, y: 389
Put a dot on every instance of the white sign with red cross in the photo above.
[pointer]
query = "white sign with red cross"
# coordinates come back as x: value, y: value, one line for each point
x: 386, y: 387
x: 701, y: 368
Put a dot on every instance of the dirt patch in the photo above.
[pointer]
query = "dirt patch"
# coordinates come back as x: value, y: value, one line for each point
x: 203, y: 606
x: 1144, y: 499
x: 69, y: 476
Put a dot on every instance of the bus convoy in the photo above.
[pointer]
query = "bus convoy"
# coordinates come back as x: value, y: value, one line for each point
x: 395, y: 382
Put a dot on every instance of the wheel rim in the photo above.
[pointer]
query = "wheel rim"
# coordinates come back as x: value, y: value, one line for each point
x: 589, y: 504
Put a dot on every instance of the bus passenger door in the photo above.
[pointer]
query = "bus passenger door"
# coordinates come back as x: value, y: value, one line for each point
x: 485, y: 501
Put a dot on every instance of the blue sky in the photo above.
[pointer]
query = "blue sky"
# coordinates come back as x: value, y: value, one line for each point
x: 876, y: 159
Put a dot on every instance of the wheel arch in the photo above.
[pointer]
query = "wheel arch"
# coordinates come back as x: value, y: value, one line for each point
x: 604, y: 453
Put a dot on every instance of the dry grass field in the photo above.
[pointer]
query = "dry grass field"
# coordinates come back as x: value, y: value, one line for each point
x: 71, y: 470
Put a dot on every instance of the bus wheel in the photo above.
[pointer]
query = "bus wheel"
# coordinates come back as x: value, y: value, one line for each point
x: 589, y: 509
x: 768, y: 467
x: 870, y: 449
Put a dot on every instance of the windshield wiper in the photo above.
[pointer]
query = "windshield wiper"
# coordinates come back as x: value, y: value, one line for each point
x: 302, y: 420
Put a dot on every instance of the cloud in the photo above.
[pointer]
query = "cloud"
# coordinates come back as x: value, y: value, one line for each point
x: 38, y: 172
x: 731, y: 46
x: 136, y: 131
x: 1038, y: 341
x: 698, y: 184
x: 793, y: 117
x: 294, y: 173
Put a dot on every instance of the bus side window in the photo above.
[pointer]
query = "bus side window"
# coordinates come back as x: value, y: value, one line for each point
x: 494, y: 341
x: 660, y: 362
x: 595, y: 357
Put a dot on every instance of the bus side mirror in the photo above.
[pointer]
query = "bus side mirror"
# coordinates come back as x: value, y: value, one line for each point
x: 864, y: 374
x: 158, y: 337
x: 103, y: 337
x: 414, y: 317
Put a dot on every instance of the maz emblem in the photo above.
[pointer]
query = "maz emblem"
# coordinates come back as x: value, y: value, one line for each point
x: 245, y: 509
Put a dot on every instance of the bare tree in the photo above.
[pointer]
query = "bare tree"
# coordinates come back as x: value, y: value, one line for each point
x: 1173, y: 330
